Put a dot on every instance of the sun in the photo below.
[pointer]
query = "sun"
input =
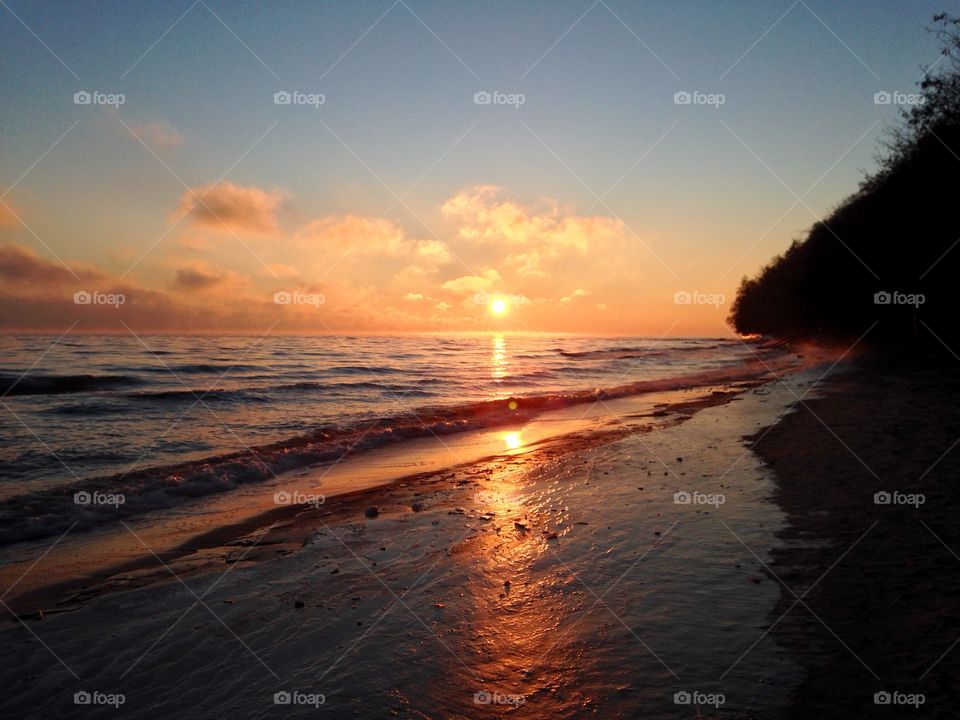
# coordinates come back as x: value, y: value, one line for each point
x: 498, y: 306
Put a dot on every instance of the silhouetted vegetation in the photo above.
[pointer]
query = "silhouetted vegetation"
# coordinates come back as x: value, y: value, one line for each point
x: 897, y: 234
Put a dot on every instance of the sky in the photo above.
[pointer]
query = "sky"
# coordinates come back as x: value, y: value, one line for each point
x: 600, y: 167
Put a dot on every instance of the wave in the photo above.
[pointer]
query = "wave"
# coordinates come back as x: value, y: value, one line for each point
x: 52, y: 510
x: 626, y: 353
x: 63, y: 384
x: 261, y: 393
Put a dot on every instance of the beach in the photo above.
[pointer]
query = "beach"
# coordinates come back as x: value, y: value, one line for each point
x: 745, y: 549
x: 868, y: 558
x: 614, y: 565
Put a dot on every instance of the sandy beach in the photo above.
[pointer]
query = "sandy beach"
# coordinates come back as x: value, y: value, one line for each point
x: 615, y: 570
x: 869, y: 582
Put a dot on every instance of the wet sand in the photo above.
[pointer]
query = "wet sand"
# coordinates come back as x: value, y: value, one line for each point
x: 878, y: 583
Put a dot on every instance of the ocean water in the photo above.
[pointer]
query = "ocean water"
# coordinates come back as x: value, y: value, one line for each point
x: 163, y: 419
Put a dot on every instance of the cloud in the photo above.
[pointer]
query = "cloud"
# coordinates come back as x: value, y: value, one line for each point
x: 433, y: 253
x: 20, y: 265
x: 469, y: 284
x: 158, y: 134
x: 413, y: 297
x: 198, y: 276
x: 527, y: 264
x: 352, y: 235
x: 548, y: 231
x: 579, y: 292
x: 7, y: 215
x: 227, y: 207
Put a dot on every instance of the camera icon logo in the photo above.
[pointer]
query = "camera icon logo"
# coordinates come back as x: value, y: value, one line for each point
x: 282, y: 698
x: 682, y: 698
x: 281, y: 498
x: 882, y: 98
x: 482, y: 698
x: 82, y: 98
x: 882, y: 698
x: 682, y: 498
x: 682, y: 98
x: 682, y: 297
x: 82, y: 697
x: 482, y: 98
x: 81, y: 498
x: 882, y: 498
x: 282, y: 297
x: 82, y: 297
x: 282, y: 97
x: 882, y: 298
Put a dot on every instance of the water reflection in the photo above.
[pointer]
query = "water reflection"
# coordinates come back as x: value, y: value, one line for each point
x: 512, y: 440
x: 498, y: 361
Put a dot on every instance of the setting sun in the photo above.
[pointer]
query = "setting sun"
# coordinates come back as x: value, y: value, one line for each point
x: 498, y: 306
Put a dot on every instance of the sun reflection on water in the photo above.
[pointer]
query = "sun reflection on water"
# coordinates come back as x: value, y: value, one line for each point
x: 512, y: 440
x: 498, y: 361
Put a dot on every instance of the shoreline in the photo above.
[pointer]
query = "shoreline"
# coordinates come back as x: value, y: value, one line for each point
x: 281, y: 530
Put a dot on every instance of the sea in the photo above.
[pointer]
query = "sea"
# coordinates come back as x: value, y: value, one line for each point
x: 162, y: 419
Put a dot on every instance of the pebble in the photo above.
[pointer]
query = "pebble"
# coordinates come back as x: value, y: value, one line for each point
x: 299, y: 604
x: 371, y: 511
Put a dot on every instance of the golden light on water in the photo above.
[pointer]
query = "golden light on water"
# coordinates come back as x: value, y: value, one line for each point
x: 498, y: 360
x: 512, y: 440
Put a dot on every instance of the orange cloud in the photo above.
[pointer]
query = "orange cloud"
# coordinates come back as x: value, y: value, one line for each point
x: 485, y: 217
x: 198, y: 276
x: 536, y: 236
x: 7, y: 216
x: 20, y: 265
x: 226, y: 207
x: 470, y: 284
